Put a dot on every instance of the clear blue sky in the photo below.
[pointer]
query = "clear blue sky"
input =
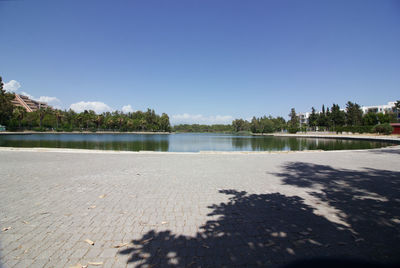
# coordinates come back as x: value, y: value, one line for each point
x: 217, y: 57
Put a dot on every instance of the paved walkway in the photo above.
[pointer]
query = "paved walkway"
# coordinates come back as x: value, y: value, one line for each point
x: 198, y: 210
x: 332, y: 135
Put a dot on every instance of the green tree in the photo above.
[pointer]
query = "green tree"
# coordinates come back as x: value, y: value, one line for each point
x: 279, y: 123
x: 143, y: 124
x: 313, y: 119
x: 164, y: 123
x: 99, y: 120
x: 31, y: 119
x: 6, y: 107
x: 41, y: 113
x: 78, y: 120
x: 240, y: 125
x: 120, y: 121
x: 328, y: 115
x: 322, y: 119
x: 338, y: 117
x: 255, y: 125
x: 370, y: 119
x: 266, y: 125
x: 59, y: 115
x: 397, y: 110
x: 293, y: 123
x: 69, y: 120
x: 353, y: 114
x: 19, y: 114
x: 130, y: 124
x: 383, y: 118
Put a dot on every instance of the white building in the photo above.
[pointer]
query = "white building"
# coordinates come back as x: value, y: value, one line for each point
x: 390, y: 107
x: 303, y: 118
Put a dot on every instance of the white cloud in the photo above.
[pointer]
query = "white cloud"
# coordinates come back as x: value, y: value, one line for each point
x: 12, y: 86
x: 52, y: 101
x: 49, y: 100
x: 200, y: 119
x: 97, y: 106
x: 127, y: 109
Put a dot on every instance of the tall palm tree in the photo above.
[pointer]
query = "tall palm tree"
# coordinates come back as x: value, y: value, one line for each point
x: 19, y: 113
x: 397, y: 107
x: 42, y: 112
x: 143, y: 123
x: 129, y: 124
x: 59, y: 116
x: 79, y: 119
x: 120, y: 122
x: 110, y: 123
x: 99, y: 120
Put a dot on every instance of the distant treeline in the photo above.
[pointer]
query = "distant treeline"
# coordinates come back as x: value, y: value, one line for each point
x: 257, y: 125
x: 16, y: 118
x: 202, y: 128
x: 50, y: 119
x: 350, y: 119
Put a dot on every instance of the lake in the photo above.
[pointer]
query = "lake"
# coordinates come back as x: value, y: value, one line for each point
x: 183, y: 142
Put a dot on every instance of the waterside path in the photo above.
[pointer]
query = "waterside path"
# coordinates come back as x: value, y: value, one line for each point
x: 131, y: 209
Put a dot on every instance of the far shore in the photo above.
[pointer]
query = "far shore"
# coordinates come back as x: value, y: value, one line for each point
x: 278, y: 134
x: 328, y: 135
x: 80, y: 132
x: 333, y: 135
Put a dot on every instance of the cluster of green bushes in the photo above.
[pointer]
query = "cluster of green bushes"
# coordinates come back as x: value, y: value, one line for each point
x: 354, y: 129
x: 385, y: 128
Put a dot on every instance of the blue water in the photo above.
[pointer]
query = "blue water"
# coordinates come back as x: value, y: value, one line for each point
x: 185, y: 142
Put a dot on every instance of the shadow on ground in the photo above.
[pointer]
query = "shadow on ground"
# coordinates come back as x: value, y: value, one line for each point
x: 278, y: 230
x: 392, y: 151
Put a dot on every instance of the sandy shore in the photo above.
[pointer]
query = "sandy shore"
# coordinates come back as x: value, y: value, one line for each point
x: 197, y: 209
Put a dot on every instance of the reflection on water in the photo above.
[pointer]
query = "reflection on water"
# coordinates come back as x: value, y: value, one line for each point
x: 119, y: 142
x: 193, y: 142
x: 270, y: 143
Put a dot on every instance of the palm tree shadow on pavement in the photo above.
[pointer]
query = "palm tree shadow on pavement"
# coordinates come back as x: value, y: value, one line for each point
x: 278, y: 230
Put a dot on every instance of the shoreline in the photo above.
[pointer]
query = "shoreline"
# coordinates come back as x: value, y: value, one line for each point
x: 393, y: 147
x: 395, y: 144
x: 386, y: 138
x: 83, y: 132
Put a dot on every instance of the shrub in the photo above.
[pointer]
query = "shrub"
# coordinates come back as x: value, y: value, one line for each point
x: 354, y: 129
x: 42, y: 129
x: 383, y: 129
x: 303, y: 129
x: 293, y: 130
x: 338, y: 129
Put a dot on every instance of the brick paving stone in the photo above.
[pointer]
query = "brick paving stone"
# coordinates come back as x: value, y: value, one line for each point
x: 200, y: 209
x: 39, y: 263
x: 109, y: 253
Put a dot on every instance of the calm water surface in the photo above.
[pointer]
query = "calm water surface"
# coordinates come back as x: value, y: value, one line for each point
x: 193, y: 142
